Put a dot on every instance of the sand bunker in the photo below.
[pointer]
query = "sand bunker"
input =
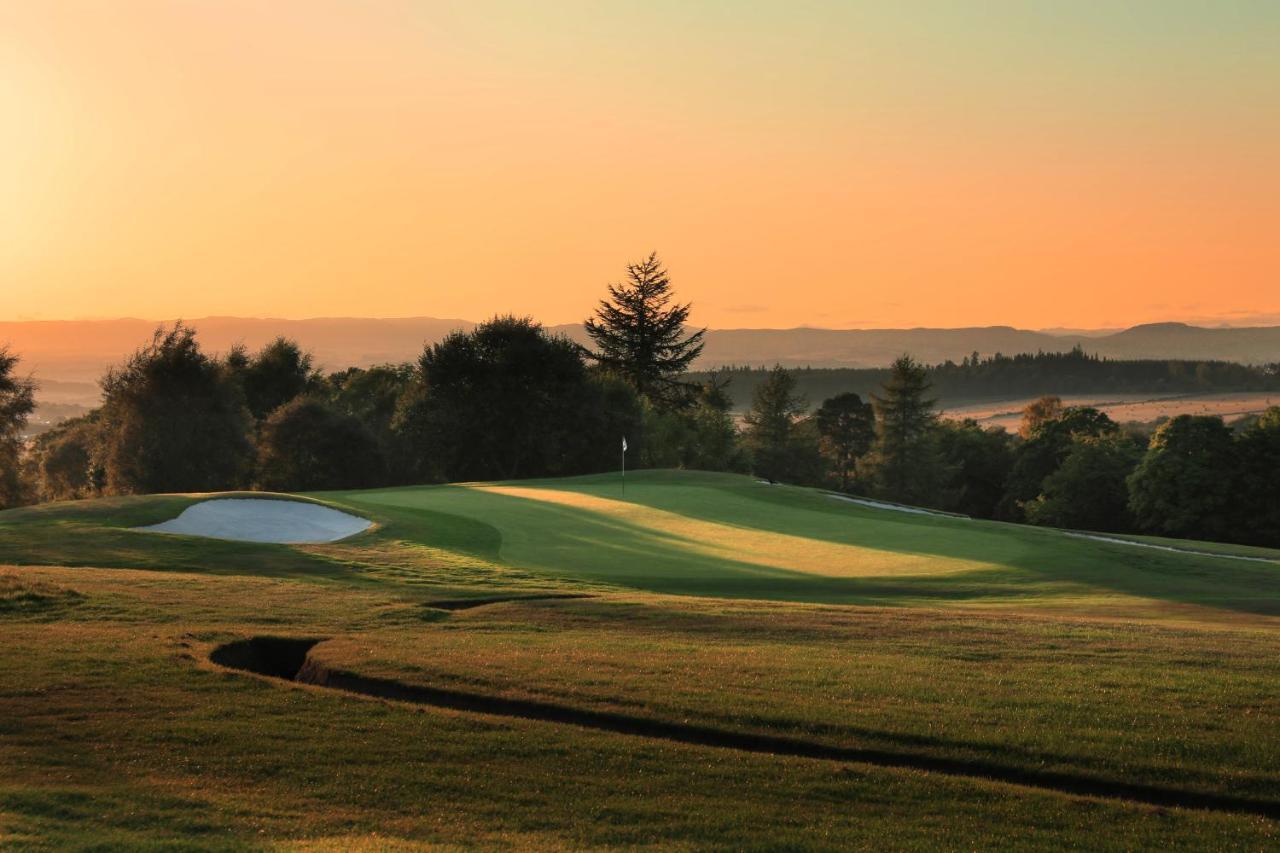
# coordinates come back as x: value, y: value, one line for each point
x: 258, y: 520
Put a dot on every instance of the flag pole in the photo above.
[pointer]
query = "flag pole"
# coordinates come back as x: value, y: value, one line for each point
x: 624, y: 466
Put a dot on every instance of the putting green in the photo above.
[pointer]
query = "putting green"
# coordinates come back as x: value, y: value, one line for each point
x: 726, y: 535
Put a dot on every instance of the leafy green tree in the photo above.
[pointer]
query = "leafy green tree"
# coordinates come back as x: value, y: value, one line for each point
x: 276, y: 374
x: 1089, y: 489
x: 1049, y: 442
x: 17, y: 402
x: 173, y: 421
x: 847, y: 426
x: 1038, y: 412
x: 978, y: 461
x: 507, y: 400
x: 1257, y: 502
x: 906, y: 462
x: 779, y: 451
x: 305, y: 445
x: 374, y: 396
x: 370, y: 394
x: 1184, y: 484
x: 702, y: 436
x: 65, y: 460
x: 640, y: 335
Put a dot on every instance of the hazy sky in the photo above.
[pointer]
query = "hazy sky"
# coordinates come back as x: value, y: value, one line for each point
x: 840, y: 163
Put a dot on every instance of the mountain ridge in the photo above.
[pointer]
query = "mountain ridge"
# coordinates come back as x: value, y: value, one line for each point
x: 80, y: 350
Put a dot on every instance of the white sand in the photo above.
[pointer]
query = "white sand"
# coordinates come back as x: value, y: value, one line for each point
x: 258, y: 520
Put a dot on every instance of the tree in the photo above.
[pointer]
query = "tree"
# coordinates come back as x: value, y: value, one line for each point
x: 978, y: 461
x: 1089, y: 489
x: 508, y: 400
x: 906, y: 464
x: 173, y: 420
x: 640, y: 335
x: 714, y: 442
x: 702, y: 436
x: 848, y: 427
x: 374, y: 396
x: 1038, y: 412
x: 1044, y: 451
x: 1257, y: 481
x: 305, y: 445
x: 65, y: 460
x: 1183, y: 485
x: 276, y: 374
x: 776, y: 449
x: 17, y: 402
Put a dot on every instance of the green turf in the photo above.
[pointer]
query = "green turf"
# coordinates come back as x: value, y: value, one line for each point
x: 723, y: 535
x: 714, y: 600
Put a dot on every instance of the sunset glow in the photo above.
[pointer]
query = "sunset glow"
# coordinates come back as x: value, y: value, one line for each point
x: 841, y: 164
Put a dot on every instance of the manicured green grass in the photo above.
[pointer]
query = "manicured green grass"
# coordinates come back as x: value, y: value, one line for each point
x: 714, y: 601
x: 729, y: 536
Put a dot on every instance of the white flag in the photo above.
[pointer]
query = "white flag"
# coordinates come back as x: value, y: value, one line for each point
x: 624, y: 444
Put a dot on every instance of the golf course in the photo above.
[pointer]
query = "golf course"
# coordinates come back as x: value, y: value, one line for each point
x: 685, y: 659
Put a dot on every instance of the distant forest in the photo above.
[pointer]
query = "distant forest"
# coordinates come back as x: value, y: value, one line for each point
x: 1004, y: 377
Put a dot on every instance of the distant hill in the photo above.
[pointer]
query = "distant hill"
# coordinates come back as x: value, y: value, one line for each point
x: 77, y: 351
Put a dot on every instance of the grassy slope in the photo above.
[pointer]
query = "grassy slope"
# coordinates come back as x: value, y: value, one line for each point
x: 113, y: 729
x: 721, y: 535
x: 1190, y: 709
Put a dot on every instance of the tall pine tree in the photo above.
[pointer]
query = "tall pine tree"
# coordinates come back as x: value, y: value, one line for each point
x: 640, y: 335
x: 908, y: 465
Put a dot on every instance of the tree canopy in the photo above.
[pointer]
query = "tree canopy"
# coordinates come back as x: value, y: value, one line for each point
x: 307, y: 445
x: 907, y: 465
x: 17, y: 402
x: 508, y: 400
x: 640, y: 335
x: 848, y: 428
x: 778, y: 449
x: 1183, y: 486
x: 273, y: 376
x: 173, y: 420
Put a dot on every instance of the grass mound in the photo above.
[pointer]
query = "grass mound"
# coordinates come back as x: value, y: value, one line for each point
x: 24, y: 598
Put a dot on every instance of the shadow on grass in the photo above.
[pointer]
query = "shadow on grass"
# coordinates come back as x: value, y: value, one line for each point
x: 290, y: 659
x: 1022, y: 562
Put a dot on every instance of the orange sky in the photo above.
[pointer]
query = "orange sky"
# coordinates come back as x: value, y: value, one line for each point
x: 934, y: 163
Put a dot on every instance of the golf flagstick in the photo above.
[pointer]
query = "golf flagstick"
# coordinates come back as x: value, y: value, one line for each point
x: 624, y: 466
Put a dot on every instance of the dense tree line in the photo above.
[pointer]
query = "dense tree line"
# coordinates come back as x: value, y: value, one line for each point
x: 1068, y: 467
x: 1028, y: 375
x: 506, y: 400
x: 509, y: 400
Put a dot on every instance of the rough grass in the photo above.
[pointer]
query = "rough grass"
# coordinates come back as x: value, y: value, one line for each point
x: 115, y: 732
x: 1190, y: 709
x: 930, y: 637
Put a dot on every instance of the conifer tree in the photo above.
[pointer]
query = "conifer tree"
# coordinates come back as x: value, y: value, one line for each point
x: 908, y: 465
x: 640, y: 335
x: 771, y: 432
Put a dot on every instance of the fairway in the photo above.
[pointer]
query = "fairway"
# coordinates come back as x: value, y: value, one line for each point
x: 702, y: 661
x: 731, y: 536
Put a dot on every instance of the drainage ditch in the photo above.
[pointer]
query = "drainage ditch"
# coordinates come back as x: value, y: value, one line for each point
x: 290, y: 659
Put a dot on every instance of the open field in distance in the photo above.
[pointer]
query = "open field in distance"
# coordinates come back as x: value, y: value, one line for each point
x: 1138, y: 407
